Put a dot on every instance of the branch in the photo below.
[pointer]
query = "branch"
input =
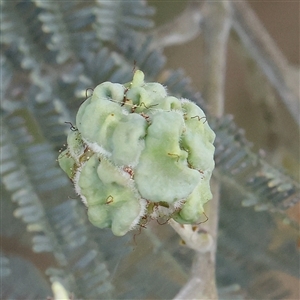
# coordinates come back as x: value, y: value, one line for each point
x: 201, y: 284
x: 181, y: 30
x: 269, y: 58
x: 216, y: 26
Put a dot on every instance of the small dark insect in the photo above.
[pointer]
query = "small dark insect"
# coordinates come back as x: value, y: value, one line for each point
x: 147, y: 107
x: 199, y: 118
x: 134, y: 66
x: 165, y: 222
x: 124, y: 97
x: 86, y: 92
x: 204, y: 220
x: 72, y: 127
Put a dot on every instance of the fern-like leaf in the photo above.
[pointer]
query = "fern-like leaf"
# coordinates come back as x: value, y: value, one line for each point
x: 19, y: 283
x: 69, y: 24
x: 60, y: 229
x: 21, y: 28
x: 84, y: 273
x: 262, y: 185
x: 4, y: 266
x: 120, y: 21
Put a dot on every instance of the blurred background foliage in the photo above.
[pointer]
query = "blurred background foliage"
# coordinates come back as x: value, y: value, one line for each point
x: 51, y: 53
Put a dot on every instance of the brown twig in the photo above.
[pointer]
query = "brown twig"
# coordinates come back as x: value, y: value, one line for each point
x: 268, y: 56
x: 183, y: 29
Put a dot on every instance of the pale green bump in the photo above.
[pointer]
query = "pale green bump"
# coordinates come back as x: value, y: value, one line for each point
x: 138, y: 95
x: 82, y: 111
x: 194, y: 112
x: 198, y: 138
x: 156, y: 93
x: 98, y: 120
x: 169, y: 103
x: 99, y: 216
x: 89, y: 183
x: 146, y: 98
x: 145, y: 94
x: 138, y: 79
x: 75, y: 144
x: 67, y: 163
x: 124, y: 214
x: 162, y: 173
x: 200, y: 151
x: 193, y: 208
x: 69, y: 159
x: 127, y: 140
x: 108, y: 193
x: 108, y: 90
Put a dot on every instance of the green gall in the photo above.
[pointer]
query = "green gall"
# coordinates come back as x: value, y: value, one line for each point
x: 162, y: 173
x: 137, y: 153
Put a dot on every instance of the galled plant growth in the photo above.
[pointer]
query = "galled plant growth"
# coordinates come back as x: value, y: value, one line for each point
x: 138, y: 153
